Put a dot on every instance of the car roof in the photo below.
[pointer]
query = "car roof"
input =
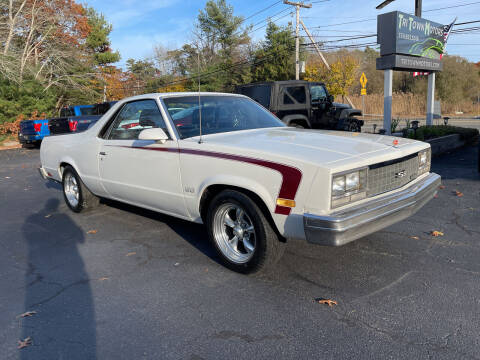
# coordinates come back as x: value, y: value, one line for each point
x: 178, y: 94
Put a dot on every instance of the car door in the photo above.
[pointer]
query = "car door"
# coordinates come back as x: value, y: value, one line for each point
x: 141, y: 172
x: 320, y: 105
x: 293, y: 101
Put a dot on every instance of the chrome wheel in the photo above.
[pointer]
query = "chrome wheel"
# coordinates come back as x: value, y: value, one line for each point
x: 234, y: 233
x: 70, y: 188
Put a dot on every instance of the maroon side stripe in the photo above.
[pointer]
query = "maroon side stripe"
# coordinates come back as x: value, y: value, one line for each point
x: 291, y: 175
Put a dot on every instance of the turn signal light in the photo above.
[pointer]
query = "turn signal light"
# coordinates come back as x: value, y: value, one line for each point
x: 286, y: 203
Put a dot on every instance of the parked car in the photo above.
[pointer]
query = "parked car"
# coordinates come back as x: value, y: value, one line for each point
x: 253, y: 181
x: 32, y: 132
x: 69, y: 123
x: 303, y: 104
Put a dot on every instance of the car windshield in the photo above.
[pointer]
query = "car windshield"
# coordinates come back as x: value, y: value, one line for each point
x: 219, y: 114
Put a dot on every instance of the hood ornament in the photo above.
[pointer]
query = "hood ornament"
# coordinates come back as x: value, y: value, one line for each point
x: 395, y: 143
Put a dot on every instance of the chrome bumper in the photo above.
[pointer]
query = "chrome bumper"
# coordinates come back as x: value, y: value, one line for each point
x: 43, y: 173
x: 344, y: 226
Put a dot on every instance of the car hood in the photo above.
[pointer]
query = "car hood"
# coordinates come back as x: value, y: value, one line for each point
x: 341, y: 106
x: 322, y: 147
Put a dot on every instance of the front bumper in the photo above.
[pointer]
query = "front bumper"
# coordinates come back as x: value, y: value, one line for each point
x: 343, y: 226
x: 26, y: 138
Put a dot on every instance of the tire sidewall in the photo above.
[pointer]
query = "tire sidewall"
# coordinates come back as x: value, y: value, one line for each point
x: 79, y: 206
x: 252, y: 210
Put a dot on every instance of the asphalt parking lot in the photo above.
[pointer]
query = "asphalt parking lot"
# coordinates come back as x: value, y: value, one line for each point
x: 124, y: 283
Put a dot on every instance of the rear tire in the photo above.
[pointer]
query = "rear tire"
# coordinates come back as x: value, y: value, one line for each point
x: 241, y: 234
x: 75, y: 193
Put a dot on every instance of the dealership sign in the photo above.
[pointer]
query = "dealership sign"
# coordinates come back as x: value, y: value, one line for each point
x: 408, y: 42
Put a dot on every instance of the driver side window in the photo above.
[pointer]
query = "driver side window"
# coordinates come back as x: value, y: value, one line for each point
x: 134, y: 117
x: 318, y: 93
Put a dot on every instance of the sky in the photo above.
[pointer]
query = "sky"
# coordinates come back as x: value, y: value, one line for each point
x: 138, y: 26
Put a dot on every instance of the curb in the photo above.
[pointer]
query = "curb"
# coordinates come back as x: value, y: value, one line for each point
x: 10, y: 147
x: 446, y: 143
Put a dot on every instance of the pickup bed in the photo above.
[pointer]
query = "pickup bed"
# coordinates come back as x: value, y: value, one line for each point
x: 69, y: 122
x: 63, y: 125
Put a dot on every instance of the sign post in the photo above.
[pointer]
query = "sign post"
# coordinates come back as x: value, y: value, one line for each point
x: 363, y: 92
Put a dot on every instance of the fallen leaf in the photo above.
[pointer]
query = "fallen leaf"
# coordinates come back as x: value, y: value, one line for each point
x: 436, y: 233
x: 458, y: 193
x: 27, y: 314
x: 103, y: 279
x: 47, y: 216
x: 441, y: 187
x: 91, y: 231
x: 24, y: 343
x: 415, y: 238
x: 131, y: 253
x: 327, y: 302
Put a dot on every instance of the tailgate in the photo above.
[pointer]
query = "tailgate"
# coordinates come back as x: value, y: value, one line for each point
x: 34, y: 127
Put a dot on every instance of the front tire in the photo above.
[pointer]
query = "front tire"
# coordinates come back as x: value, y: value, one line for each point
x: 354, y: 125
x: 75, y: 193
x: 241, y: 234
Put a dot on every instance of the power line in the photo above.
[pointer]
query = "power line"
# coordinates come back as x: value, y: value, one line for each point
x: 372, y: 19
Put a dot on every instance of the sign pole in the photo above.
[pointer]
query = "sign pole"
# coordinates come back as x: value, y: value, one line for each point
x: 363, y: 105
x: 430, y: 98
x: 387, y: 101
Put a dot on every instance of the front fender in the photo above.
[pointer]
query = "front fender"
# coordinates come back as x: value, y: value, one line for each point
x: 240, y: 182
x: 349, y: 113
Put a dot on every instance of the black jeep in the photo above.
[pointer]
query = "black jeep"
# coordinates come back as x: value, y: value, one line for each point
x: 303, y: 104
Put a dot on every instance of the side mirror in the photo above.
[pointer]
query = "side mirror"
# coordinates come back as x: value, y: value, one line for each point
x: 156, y: 134
x: 331, y: 98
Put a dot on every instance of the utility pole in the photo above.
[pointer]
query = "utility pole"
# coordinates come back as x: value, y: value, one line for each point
x: 418, y: 8
x: 297, y: 5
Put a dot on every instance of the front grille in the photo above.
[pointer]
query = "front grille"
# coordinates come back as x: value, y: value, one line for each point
x: 391, y: 175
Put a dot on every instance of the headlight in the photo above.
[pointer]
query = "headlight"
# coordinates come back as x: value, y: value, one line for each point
x: 348, y: 187
x: 338, y: 186
x: 424, y: 161
x: 352, y: 181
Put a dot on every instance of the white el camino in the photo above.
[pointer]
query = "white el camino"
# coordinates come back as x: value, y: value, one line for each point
x: 252, y: 181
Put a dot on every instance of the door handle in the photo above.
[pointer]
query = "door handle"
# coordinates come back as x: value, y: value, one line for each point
x: 103, y: 153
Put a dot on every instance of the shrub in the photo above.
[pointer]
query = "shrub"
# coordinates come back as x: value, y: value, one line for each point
x: 431, y: 132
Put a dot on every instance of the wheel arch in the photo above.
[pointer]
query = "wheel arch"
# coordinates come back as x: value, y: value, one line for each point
x: 289, y: 119
x: 63, y: 164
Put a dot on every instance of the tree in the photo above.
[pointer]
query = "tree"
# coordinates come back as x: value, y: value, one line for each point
x: 341, y: 76
x: 220, y: 45
x: 275, y: 59
x: 97, y: 40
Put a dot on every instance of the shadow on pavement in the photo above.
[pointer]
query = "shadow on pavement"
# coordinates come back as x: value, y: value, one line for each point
x: 57, y: 288
x: 194, y: 234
